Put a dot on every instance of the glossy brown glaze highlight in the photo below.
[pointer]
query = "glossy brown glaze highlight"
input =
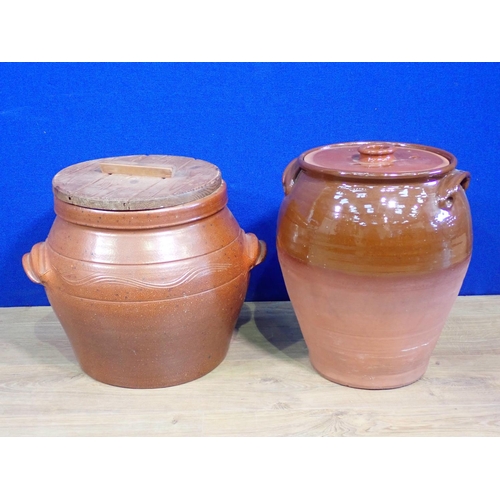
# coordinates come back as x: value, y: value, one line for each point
x: 372, y: 263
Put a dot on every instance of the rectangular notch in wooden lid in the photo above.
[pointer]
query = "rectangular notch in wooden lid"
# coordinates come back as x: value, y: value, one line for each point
x: 146, y: 170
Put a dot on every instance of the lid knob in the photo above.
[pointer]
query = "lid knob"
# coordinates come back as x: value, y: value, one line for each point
x: 376, y: 153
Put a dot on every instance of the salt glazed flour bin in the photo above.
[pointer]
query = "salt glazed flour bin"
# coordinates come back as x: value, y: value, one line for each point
x: 145, y: 267
x: 374, y: 241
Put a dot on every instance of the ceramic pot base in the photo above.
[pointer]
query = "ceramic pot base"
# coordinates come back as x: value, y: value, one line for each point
x: 370, y: 332
x: 381, y: 383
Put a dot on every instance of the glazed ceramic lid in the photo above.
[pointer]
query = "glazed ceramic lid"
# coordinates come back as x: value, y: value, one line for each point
x: 378, y: 160
x: 140, y: 182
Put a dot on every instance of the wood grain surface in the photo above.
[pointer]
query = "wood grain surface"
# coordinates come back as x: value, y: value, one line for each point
x: 139, y: 182
x: 265, y: 387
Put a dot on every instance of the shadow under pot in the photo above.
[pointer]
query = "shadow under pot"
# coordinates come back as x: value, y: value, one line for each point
x: 374, y: 241
x: 145, y: 267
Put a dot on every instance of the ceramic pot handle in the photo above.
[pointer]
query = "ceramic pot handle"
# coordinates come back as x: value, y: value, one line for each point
x: 290, y: 175
x: 449, y: 186
x: 255, y: 249
x: 36, y: 265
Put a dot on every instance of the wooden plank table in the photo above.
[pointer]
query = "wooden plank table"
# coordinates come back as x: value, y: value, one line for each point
x: 265, y: 387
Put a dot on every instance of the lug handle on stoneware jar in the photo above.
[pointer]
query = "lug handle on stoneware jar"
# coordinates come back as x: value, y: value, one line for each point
x: 450, y: 185
x: 36, y: 264
x: 290, y: 174
x: 255, y: 250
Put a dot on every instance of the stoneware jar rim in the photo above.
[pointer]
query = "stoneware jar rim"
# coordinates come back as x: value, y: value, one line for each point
x: 143, y: 219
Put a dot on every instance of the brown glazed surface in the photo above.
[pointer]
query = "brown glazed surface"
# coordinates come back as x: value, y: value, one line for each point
x: 147, y: 298
x: 373, y: 256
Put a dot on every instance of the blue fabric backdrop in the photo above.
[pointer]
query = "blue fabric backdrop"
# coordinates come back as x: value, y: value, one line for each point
x: 250, y: 120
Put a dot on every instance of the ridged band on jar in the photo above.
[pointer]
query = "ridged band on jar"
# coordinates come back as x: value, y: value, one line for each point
x: 144, y: 265
x: 146, y: 282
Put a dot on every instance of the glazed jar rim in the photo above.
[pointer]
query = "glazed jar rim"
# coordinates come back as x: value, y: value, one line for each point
x: 418, y: 174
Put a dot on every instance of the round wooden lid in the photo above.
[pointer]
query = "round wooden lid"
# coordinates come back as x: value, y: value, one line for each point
x: 142, y: 182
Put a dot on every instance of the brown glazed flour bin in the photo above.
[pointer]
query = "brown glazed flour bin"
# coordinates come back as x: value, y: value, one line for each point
x: 374, y: 241
x: 145, y: 267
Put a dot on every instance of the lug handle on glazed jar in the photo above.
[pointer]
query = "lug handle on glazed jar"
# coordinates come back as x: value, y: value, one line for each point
x: 449, y: 186
x: 35, y: 264
x: 290, y: 174
x: 255, y: 250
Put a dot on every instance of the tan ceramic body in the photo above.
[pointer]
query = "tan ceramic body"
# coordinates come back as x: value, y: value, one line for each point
x: 372, y: 268
x: 149, y: 298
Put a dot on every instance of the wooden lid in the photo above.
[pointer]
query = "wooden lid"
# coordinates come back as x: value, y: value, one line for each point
x: 142, y: 182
